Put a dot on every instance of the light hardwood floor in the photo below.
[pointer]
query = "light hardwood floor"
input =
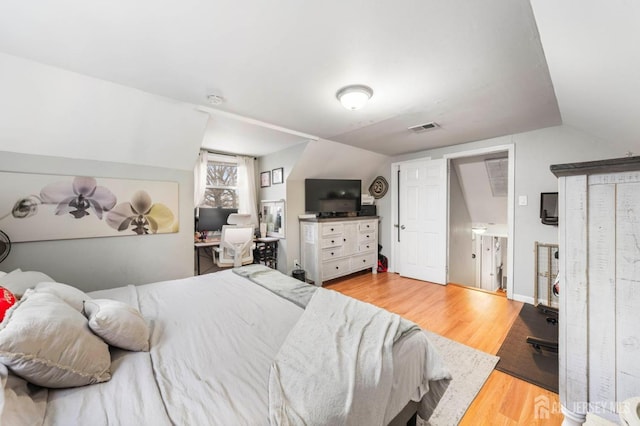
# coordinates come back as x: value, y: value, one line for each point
x: 477, y: 319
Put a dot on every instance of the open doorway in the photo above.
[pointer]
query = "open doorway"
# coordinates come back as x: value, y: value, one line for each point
x: 480, y: 211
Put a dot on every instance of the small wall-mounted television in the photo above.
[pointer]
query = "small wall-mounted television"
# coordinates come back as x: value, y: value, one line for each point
x: 332, y: 196
x: 549, y: 208
x: 212, y: 219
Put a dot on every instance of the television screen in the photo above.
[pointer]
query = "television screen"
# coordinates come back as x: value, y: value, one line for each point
x: 549, y: 208
x: 212, y: 219
x: 332, y: 195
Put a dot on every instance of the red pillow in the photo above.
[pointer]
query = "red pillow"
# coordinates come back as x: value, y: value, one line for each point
x: 7, y: 299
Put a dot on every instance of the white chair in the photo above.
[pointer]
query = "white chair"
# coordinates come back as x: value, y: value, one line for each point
x: 239, y: 219
x: 235, y: 246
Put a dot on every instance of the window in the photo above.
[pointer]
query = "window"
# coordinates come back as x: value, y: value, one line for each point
x: 222, y: 182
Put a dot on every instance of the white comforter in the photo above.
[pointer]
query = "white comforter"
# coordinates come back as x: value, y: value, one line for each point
x: 344, y: 348
x: 213, y: 340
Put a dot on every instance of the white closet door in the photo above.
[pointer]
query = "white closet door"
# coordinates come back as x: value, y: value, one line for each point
x: 423, y: 220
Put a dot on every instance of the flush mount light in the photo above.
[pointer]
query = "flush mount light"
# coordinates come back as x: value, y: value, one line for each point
x: 355, y: 96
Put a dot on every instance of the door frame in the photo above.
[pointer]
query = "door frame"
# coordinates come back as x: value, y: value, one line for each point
x: 510, y: 149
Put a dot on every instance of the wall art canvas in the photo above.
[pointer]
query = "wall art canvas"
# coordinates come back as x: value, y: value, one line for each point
x: 36, y: 207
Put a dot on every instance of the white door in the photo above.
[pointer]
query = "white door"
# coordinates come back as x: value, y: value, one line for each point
x: 488, y: 265
x: 423, y: 220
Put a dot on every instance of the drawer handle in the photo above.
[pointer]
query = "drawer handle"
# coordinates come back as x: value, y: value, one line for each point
x: 332, y: 229
x: 337, y: 267
x: 364, y: 260
x: 332, y: 241
x: 367, y: 246
x: 344, y: 240
x: 331, y: 253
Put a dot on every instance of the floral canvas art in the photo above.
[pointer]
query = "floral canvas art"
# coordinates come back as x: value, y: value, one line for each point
x: 48, y: 207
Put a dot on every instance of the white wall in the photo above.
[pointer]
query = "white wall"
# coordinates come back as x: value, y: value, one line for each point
x: 534, y: 152
x: 287, y: 158
x: 483, y: 206
x: 321, y: 159
x: 54, y: 121
x: 461, y: 264
x: 49, y: 111
x: 98, y: 263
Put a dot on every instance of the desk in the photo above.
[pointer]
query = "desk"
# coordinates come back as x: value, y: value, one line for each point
x: 266, y: 251
x: 198, y: 244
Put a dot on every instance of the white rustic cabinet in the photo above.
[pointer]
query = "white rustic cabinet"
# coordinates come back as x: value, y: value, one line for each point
x: 334, y: 247
x: 599, y: 243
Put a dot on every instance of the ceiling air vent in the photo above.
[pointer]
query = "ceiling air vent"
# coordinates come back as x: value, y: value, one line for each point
x: 424, y: 127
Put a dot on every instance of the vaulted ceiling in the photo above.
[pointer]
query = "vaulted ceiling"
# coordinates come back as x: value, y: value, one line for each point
x: 478, y: 69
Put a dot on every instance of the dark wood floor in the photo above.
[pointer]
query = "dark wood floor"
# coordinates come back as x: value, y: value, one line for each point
x: 477, y: 319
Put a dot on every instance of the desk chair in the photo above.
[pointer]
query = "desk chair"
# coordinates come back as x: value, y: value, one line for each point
x: 239, y: 219
x: 235, y: 246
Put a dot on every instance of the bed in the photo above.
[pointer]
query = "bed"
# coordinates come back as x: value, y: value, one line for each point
x: 248, y: 346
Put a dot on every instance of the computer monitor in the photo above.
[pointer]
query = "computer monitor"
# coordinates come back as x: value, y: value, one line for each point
x: 212, y: 219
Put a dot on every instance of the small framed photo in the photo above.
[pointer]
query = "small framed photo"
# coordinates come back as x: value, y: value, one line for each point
x: 277, y: 175
x: 265, y: 179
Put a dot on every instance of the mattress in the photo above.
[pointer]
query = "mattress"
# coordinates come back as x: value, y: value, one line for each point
x: 213, y: 340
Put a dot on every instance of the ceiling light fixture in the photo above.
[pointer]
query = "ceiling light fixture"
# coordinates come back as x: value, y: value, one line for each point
x: 355, y: 96
x: 214, y: 99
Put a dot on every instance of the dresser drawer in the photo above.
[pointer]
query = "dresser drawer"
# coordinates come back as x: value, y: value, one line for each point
x: 366, y: 247
x: 335, y: 268
x: 331, y: 229
x: 331, y: 253
x: 366, y: 237
x: 362, y: 261
x: 335, y: 241
x: 370, y: 225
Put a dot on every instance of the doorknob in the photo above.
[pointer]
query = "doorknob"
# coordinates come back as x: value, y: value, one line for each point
x: 402, y: 226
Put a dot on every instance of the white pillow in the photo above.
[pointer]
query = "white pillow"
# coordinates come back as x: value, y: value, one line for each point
x: 74, y: 297
x: 17, y: 281
x: 119, y: 324
x: 47, y: 342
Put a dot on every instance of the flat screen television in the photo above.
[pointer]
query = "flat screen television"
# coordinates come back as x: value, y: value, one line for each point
x: 549, y: 208
x: 212, y: 219
x: 332, y: 196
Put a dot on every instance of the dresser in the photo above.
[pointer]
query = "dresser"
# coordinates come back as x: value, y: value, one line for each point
x: 599, y: 323
x: 334, y: 247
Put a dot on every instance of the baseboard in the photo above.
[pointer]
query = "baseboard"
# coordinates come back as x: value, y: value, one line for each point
x: 524, y: 299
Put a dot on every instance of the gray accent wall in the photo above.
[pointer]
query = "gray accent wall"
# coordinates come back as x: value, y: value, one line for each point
x: 535, y: 151
x: 100, y: 263
x: 461, y: 264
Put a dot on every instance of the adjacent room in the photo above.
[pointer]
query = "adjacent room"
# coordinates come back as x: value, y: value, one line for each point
x: 390, y: 213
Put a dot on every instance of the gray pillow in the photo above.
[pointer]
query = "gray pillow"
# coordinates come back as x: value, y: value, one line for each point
x: 47, y: 342
x: 17, y: 281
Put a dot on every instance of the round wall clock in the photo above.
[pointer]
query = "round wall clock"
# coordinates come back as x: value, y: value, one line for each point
x: 378, y: 187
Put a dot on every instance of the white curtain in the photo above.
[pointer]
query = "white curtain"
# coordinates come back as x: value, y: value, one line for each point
x: 247, y: 196
x: 200, y: 178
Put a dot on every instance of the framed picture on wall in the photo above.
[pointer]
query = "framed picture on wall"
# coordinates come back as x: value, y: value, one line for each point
x: 277, y: 175
x: 265, y: 179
